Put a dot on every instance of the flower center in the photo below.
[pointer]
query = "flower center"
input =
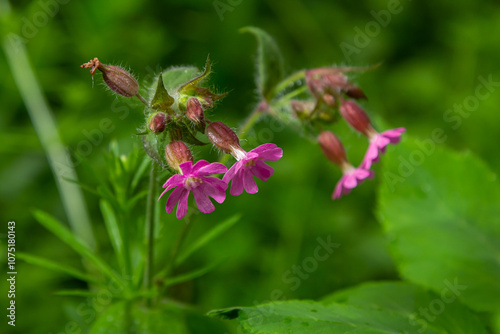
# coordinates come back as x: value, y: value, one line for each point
x: 192, y: 182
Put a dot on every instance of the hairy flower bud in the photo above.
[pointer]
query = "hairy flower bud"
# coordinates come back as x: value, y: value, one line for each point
x: 356, y: 117
x: 158, y: 122
x: 195, y: 113
x: 332, y: 148
x: 119, y: 80
x: 223, y: 137
x: 177, y: 153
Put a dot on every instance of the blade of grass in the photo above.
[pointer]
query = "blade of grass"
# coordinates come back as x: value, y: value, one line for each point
x: 45, y: 263
x: 207, y: 237
x: 79, y: 246
x: 43, y: 121
x: 113, y: 231
x: 192, y: 274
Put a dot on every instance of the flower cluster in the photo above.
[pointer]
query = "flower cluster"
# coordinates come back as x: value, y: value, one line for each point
x: 173, y: 120
x: 331, y: 87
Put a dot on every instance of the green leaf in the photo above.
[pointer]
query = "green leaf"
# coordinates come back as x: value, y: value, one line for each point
x: 207, y: 237
x: 113, y: 230
x: 372, y: 308
x: 62, y: 232
x: 139, y: 174
x: 161, y: 100
x: 174, y: 77
x: 38, y: 261
x: 191, y: 275
x: 124, y: 317
x: 441, y: 211
x: 190, y: 86
x: 78, y: 293
x: 269, y: 62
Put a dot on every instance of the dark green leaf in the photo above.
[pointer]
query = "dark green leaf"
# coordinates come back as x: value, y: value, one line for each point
x: 374, y: 308
x: 441, y: 211
x: 269, y: 62
x: 62, y: 232
x: 49, y: 264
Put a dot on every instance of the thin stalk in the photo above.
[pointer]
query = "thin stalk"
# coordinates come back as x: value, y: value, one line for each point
x: 139, y: 96
x: 150, y: 220
x: 45, y: 126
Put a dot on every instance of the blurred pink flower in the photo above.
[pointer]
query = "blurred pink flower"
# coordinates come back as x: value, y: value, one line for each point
x: 251, y: 164
x: 352, y: 177
x: 193, y: 178
x: 378, y: 145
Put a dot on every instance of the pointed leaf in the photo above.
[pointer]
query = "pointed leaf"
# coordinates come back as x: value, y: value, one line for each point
x: 113, y: 229
x: 207, y: 237
x: 192, y: 274
x: 441, y: 211
x: 49, y: 264
x: 269, y: 62
x: 162, y: 100
x: 174, y: 77
x: 190, y: 87
x: 62, y: 232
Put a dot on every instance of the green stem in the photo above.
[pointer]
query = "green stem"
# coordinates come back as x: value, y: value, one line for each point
x: 290, y: 80
x: 45, y: 126
x: 150, y: 220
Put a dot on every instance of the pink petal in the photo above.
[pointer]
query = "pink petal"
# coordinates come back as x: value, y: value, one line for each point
x: 214, y: 189
x: 213, y: 168
x: 237, y: 183
x: 199, y: 165
x: 271, y: 155
x: 264, y: 147
x: 350, y: 181
x: 174, y: 198
x: 394, y: 135
x: 183, y: 205
x: 202, y: 201
x: 231, y: 172
x: 186, y: 167
x: 371, y: 156
x: 249, y: 182
x: 262, y: 170
x: 340, y: 189
x: 174, y: 180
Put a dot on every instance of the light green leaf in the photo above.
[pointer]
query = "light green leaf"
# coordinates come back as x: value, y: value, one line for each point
x: 38, y: 261
x: 177, y: 76
x: 269, y: 62
x: 374, y: 308
x: 441, y: 211
x: 207, y: 237
x: 113, y: 229
x: 62, y: 232
x: 161, y: 100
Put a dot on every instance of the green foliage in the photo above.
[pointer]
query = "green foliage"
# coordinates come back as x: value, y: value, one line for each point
x: 269, y: 62
x: 372, y: 308
x: 440, y: 209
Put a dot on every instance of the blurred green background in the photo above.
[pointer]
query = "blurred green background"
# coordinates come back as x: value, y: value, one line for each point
x: 432, y: 53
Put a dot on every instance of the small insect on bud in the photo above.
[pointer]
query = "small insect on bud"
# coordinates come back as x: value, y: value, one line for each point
x: 356, y: 117
x: 177, y: 153
x: 332, y: 148
x: 223, y: 137
x: 158, y: 122
x: 195, y: 113
x: 119, y: 80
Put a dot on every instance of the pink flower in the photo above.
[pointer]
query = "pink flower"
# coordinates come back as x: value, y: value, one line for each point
x: 194, y: 179
x: 251, y: 164
x: 352, y: 177
x: 378, y: 145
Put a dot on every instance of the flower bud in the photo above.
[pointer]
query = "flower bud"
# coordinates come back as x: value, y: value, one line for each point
x: 325, y: 80
x: 119, y: 80
x: 332, y: 148
x: 195, y: 113
x: 223, y: 137
x: 177, y: 153
x: 158, y: 122
x: 355, y: 116
x: 302, y: 109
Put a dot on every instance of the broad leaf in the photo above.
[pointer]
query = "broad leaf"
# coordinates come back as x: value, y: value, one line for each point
x: 375, y: 308
x: 441, y: 210
x: 177, y: 76
x: 269, y: 62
